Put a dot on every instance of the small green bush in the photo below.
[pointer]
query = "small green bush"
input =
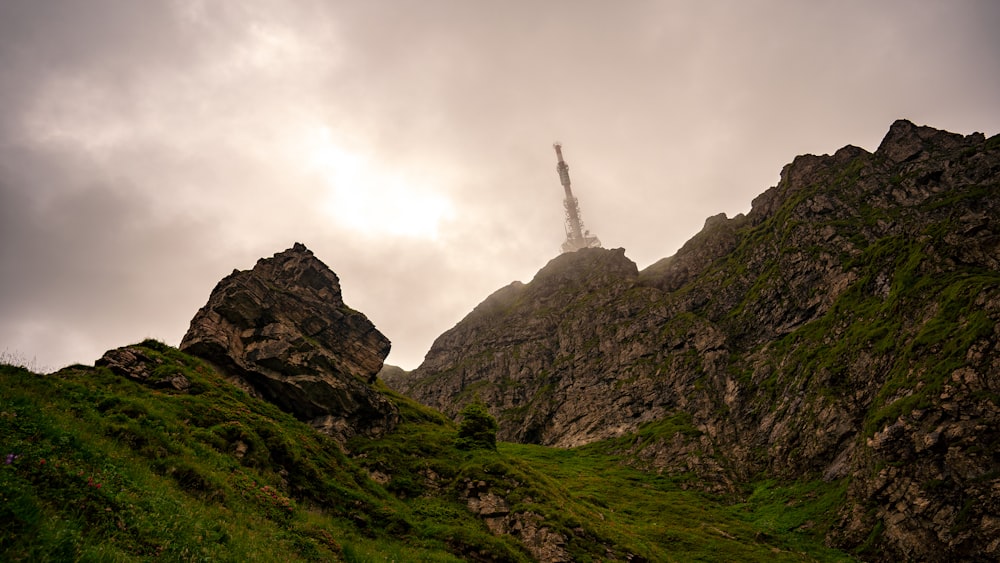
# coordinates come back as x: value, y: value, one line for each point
x: 478, y: 430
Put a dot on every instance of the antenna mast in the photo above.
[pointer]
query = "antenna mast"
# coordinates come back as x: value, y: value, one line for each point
x: 576, y: 236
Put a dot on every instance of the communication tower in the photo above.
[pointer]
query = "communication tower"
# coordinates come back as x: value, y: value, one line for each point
x: 576, y: 236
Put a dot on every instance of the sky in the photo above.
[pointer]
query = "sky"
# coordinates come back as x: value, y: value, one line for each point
x: 148, y: 149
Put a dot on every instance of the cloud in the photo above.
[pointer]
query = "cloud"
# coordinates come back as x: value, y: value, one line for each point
x: 147, y: 149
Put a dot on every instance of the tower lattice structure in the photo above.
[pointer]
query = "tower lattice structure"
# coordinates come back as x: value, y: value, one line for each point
x: 576, y: 236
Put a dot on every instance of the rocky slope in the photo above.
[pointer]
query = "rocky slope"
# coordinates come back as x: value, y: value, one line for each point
x: 283, y: 332
x: 845, y: 329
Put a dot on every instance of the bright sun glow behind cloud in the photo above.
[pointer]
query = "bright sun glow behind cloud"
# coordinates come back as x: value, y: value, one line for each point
x: 374, y: 199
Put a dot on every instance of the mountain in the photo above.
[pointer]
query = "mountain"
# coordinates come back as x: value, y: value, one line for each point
x: 844, y: 331
x: 814, y: 381
x: 267, y: 439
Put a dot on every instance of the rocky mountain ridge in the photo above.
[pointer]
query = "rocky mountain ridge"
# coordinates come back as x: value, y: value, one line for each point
x: 845, y: 329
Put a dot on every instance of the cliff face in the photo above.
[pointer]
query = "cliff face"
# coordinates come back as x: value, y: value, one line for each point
x: 522, y: 350
x: 283, y: 332
x: 844, y: 329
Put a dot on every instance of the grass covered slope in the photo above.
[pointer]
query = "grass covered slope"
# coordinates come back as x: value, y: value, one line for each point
x: 99, y: 467
x: 103, y: 468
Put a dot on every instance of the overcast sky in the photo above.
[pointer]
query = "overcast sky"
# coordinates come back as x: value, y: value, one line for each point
x: 149, y: 148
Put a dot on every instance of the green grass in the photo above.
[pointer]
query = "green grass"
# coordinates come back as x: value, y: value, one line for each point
x: 654, y: 517
x: 108, y: 469
x: 795, y: 514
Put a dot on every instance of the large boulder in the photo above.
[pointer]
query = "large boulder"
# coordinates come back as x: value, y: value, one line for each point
x: 283, y: 332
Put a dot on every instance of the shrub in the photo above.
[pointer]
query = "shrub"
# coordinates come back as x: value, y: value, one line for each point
x: 478, y: 429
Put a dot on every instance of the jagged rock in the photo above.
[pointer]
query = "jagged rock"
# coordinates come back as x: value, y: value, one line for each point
x: 716, y: 239
x: 128, y: 362
x: 133, y: 363
x: 283, y: 330
x: 546, y: 545
x: 907, y: 142
x: 846, y: 328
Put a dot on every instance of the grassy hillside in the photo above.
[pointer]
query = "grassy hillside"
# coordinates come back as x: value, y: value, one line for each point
x: 101, y: 468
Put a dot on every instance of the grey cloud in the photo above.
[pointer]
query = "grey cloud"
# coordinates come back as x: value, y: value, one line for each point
x: 148, y: 148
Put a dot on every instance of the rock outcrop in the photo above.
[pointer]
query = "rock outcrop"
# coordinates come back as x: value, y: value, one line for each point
x: 845, y: 329
x: 134, y: 363
x: 544, y: 544
x: 282, y: 331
